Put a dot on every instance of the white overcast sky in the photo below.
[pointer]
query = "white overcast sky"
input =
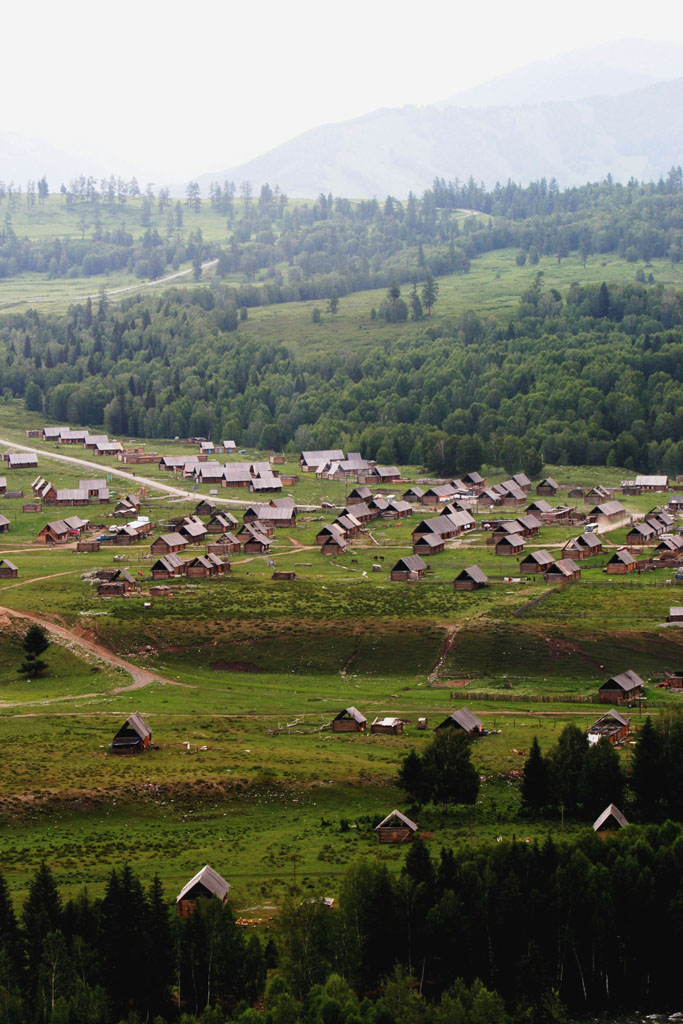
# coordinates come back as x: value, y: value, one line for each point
x: 168, y: 90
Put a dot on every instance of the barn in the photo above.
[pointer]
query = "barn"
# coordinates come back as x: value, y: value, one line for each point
x: 349, y: 720
x: 206, y: 884
x: 133, y: 737
x: 395, y: 828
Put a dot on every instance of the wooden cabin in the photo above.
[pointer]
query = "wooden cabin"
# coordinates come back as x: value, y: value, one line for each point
x: 410, y: 567
x: 169, y: 543
x: 438, y: 493
x: 639, y: 535
x: 463, y: 719
x: 622, y: 561
x: 228, y: 544
x: 387, y: 726
x: 205, y: 508
x: 395, y: 828
x: 564, y: 569
x: 429, y: 544
x: 612, y: 727
x: 474, y: 480
x: 284, y: 575
x: 413, y: 494
x: 204, y: 567
x: 547, y: 488
x: 335, y: 544
x: 119, y: 583
x: 358, y: 495
x: 8, y: 570
x: 255, y: 541
x: 349, y: 720
x: 607, y: 512
x: 471, y: 578
x: 611, y: 820
x: 133, y: 737
x: 88, y: 545
x: 206, y: 884
x: 584, y: 546
x: 55, y: 533
x: 675, y: 614
x: 192, y: 529
x: 4, y: 524
x: 168, y: 566
x: 621, y: 689
x: 512, y: 545
x: 221, y: 522
x: 536, y: 561
x: 273, y: 516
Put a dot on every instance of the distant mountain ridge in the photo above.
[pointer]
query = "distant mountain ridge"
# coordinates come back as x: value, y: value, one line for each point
x: 393, y: 151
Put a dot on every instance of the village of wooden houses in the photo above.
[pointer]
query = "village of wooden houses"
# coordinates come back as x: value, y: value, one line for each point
x: 266, y: 636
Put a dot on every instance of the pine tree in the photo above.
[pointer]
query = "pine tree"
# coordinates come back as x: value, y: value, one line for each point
x: 646, y: 774
x: 602, y: 779
x: 41, y: 915
x: 535, y: 781
x: 35, y: 643
x: 412, y: 779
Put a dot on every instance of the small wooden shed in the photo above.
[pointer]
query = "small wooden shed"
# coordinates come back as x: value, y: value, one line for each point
x: 675, y: 614
x: 387, y: 726
x: 8, y: 570
x: 349, y: 720
x: 4, y: 524
x: 206, y: 884
x: 547, y: 488
x: 395, y: 828
x: 168, y: 543
x: 133, y: 737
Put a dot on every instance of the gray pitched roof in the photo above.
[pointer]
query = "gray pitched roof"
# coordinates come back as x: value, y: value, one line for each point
x: 473, y: 572
x: 352, y: 712
x: 626, y: 681
x: 401, y: 817
x: 611, y: 811
x: 210, y: 880
x: 413, y: 563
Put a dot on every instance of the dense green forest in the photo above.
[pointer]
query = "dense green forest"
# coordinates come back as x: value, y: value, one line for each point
x: 505, y: 933
x: 594, y: 376
x: 304, y: 251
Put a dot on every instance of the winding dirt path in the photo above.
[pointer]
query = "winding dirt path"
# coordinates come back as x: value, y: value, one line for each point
x: 141, y: 676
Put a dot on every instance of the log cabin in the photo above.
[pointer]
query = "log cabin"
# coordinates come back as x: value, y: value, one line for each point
x: 206, y: 884
x: 349, y: 720
x: 133, y: 737
x: 471, y: 578
x: 410, y: 567
x: 395, y: 828
x: 463, y: 719
x: 622, y: 688
x: 612, y: 726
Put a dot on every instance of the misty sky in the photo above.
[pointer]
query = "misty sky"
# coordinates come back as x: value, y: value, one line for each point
x: 169, y: 90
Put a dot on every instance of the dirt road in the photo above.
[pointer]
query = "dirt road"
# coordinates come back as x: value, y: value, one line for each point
x: 141, y: 676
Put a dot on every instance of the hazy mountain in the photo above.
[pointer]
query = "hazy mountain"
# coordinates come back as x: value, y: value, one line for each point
x: 606, y: 70
x: 22, y: 158
x: 638, y: 134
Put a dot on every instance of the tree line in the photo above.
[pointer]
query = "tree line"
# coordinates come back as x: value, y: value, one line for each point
x: 511, y: 932
x: 591, y: 376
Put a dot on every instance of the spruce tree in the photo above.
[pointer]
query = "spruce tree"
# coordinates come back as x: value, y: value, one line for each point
x: 536, y: 793
x: 647, y: 781
x: 35, y: 643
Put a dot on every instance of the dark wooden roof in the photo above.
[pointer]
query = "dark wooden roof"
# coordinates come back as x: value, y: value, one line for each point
x: 409, y: 563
